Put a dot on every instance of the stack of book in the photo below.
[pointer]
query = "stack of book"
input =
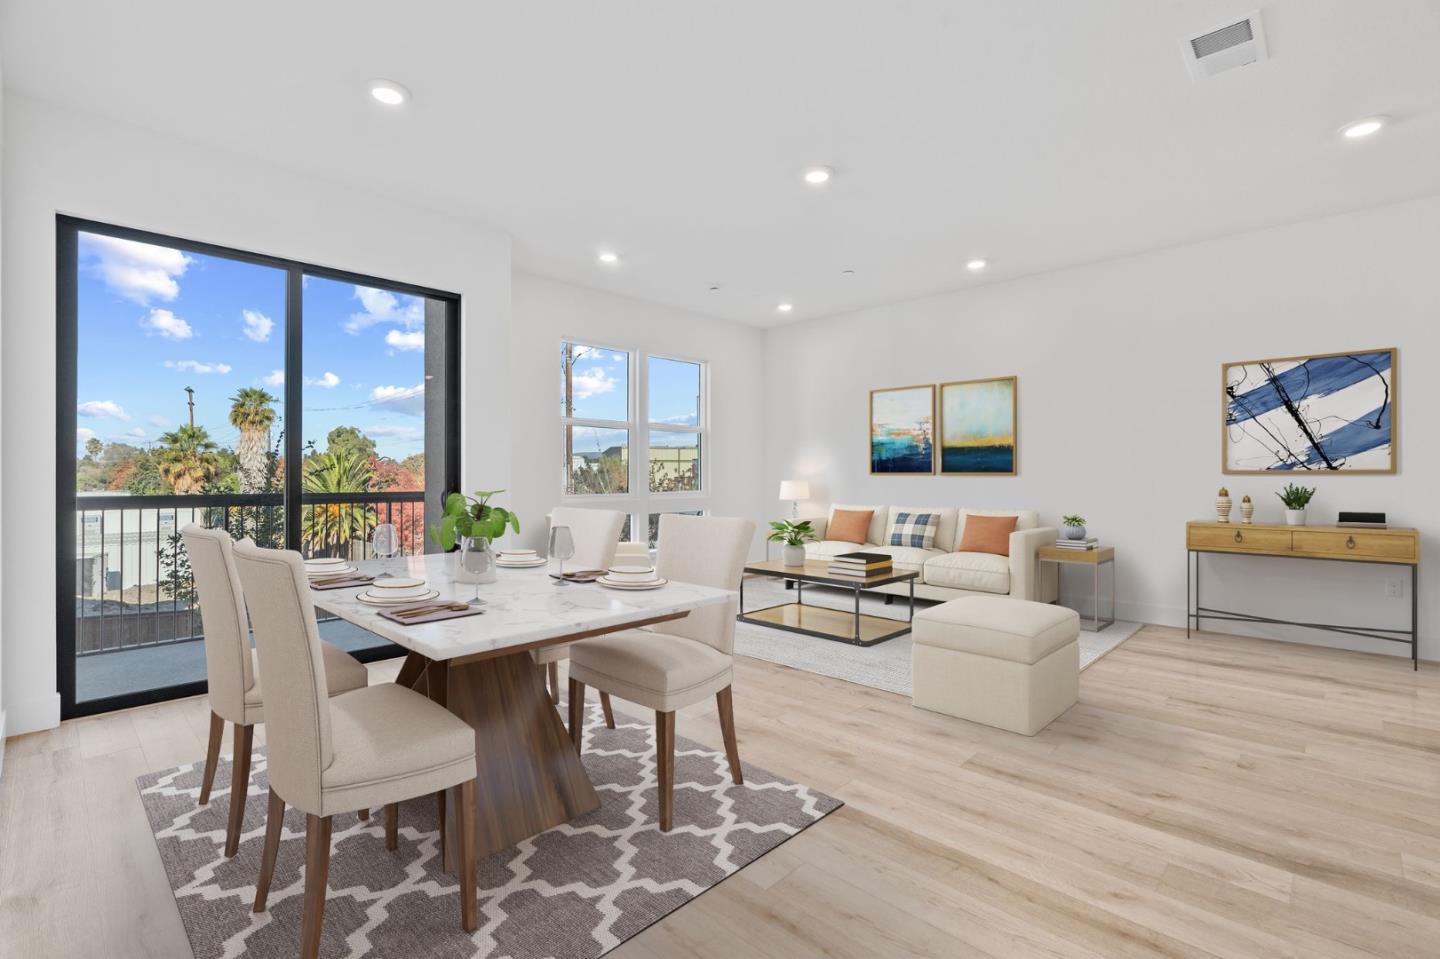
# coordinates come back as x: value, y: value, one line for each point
x: 860, y: 565
x: 1088, y: 542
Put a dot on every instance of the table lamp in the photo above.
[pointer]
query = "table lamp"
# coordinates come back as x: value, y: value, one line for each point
x: 794, y: 491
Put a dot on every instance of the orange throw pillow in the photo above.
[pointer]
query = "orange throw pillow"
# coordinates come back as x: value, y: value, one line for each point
x: 850, y: 525
x: 987, y: 534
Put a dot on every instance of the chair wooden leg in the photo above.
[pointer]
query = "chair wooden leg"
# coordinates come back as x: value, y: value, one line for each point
x: 317, y: 872
x: 239, y: 788
x: 274, y: 822
x: 364, y: 815
x: 609, y: 713
x: 665, y: 766
x: 553, y: 671
x: 392, y: 826
x: 577, y: 713
x: 465, y: 840
x: 726, y: 706
x: 212, y: 756
x: 441, y: 811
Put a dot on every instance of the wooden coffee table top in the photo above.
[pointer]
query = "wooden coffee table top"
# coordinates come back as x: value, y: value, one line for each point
x: 818, y: 571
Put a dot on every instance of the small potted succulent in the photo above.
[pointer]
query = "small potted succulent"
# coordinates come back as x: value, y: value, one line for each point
x: 1074, y: 526
x: 1295, y: 498
x: 793, y: 536
x: 473, y: 523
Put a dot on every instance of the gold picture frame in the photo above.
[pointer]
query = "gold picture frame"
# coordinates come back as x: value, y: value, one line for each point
x: 990, y: 443
x: 906, y: 437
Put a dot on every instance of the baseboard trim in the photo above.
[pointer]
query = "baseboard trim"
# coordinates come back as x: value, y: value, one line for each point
x: 33, y: 715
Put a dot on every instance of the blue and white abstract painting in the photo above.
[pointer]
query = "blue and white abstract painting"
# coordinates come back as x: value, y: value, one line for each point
x: 1328, y: 413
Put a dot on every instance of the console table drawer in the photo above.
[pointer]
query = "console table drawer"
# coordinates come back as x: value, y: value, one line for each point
x: 1343, y: 544
x: 1239, y: 539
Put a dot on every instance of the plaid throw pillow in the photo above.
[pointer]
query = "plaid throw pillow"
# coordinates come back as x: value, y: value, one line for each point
x: 915, y: 529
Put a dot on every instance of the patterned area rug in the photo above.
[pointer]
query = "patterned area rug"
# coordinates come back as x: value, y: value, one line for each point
x: 574, y: 892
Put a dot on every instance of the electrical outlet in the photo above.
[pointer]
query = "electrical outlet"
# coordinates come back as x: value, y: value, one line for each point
x: 1395, y: 588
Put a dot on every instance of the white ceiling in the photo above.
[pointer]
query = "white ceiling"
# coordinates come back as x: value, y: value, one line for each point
x: 1038, y: 134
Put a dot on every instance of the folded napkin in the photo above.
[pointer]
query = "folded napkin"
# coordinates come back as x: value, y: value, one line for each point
x: 581, y: 575
x: 435, y: 617
x: 356, y: 580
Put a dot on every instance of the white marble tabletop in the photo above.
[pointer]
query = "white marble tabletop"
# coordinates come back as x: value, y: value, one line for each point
x: 522, y: 607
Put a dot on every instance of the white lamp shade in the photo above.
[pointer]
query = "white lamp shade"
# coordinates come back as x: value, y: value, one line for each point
x: 794, y: 489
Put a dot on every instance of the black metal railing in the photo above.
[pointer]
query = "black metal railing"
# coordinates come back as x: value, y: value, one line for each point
x: 133, y: 585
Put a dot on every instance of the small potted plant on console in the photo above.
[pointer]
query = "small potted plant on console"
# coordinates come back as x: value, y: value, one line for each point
x: 1295, y: 498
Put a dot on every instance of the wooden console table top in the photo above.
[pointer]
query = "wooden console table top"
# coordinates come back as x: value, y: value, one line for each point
x: 1400, y: 546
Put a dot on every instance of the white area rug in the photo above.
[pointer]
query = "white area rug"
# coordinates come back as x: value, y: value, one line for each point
x: 886, y: 666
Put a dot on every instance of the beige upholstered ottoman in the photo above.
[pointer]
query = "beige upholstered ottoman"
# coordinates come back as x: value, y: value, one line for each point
x: 1003, y: 662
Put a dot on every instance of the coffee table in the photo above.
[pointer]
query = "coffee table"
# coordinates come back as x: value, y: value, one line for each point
x: 857, y: 628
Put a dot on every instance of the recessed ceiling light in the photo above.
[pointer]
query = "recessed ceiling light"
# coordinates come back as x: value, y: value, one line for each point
x: 817, y: 175
x: 975, y: 265
x: 608, y: 257
x: 785, y: 307
x: 1360, y: 129
x: 847, y: 272
x: 389, y: 92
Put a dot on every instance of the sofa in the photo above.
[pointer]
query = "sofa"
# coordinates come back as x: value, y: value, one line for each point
x: 946, y: 573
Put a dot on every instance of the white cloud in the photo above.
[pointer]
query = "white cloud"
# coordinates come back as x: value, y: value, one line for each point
x: 137, y: 432
x: 393, y: 432
x: 411, y: 340
x: 381, y: 306
x: 168, y: 325
x: 103, y: 408
x: 328, y: 381
x: 159, y: 422
x: 276, y: 378
x: 400, y: 399
x: 257, y: 325
x: 591, y: 383
x: 137, y: 271
x: 195, y: 366
x: 83, y: 433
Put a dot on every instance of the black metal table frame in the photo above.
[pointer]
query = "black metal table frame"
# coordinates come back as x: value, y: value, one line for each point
x: 855, y: 640
x: 1409, y: 636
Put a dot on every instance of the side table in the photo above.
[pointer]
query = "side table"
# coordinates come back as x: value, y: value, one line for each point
x: 1093, y: 558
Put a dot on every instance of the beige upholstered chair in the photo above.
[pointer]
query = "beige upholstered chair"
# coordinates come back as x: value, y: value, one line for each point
x: 235, y: 687
x: 369, y: 747
x: 596, y: 533
x: 670, y: 665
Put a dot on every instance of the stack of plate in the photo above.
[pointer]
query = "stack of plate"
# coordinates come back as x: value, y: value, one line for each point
x: 631, y: 577
x: 518, y: 558
x: 327, y: 566
x: 396, y: 592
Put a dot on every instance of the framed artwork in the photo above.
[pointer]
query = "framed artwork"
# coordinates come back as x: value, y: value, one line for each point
x: 902, y: 430
x: 1328, y: 413
x: 978, y: 427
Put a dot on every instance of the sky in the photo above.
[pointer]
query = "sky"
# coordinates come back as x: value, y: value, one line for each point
x: 601, y: 382
x: 153, y: 320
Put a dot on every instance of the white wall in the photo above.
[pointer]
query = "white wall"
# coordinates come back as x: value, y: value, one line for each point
x: 546, y: 311
x: 1119, y: 367
x: 60, y: 161
x: 2, y: 434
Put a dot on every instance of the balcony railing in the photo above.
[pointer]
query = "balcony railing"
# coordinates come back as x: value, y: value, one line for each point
x: 133, y: 585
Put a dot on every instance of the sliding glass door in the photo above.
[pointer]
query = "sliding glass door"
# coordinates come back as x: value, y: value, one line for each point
x: 295, y: 405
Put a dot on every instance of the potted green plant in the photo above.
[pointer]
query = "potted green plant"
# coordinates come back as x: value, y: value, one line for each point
x: 792, y: 536
x: 1074, y: 526
x: 472, y: 523
x: 1295, y: 498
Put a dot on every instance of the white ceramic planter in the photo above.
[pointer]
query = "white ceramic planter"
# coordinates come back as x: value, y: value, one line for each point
x: 793, y: 555
x: 1295, y: 517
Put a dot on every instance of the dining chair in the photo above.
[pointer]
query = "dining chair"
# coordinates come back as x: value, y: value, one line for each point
x: 597, y: 534
x: 235, y: 687
x: 368, y: 747
x: 671, y: 665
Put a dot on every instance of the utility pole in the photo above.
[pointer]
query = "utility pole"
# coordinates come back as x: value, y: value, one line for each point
x: 190, y: 400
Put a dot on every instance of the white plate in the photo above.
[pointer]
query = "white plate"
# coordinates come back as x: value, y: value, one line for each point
x: 325, y: 561
x: 613, y: 584
x: 365, y: 597
x: 330, y: 571
x: 521, y: 564
x: 517, y: 553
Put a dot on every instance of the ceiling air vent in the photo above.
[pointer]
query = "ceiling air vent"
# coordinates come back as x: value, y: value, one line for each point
x: 1225, y: 48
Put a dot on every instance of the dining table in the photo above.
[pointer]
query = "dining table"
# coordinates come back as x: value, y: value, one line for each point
x: 481, y: 668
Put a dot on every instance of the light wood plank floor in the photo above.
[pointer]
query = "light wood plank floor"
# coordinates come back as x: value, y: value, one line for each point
x: 1210, y: 797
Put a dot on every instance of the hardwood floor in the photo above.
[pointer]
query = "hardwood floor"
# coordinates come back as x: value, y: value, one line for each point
x: 1210, y: 797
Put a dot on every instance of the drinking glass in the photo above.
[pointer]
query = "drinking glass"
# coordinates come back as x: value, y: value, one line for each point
x: 562, y: 547
x: 386, y: 543
x: 476, y: 558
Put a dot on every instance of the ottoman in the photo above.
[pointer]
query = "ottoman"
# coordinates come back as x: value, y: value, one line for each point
x: 1008, y: 663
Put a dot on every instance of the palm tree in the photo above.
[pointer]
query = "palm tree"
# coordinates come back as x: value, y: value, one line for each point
x: 252, y: 413
x: 187, y: 459
x: 328, y: 528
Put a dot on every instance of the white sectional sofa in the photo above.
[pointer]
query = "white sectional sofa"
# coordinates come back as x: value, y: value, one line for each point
x: 945, y: 573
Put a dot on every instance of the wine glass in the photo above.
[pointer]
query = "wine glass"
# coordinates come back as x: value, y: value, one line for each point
x: 562, y: 547
x: 475, y: 558
x: 386, y: 543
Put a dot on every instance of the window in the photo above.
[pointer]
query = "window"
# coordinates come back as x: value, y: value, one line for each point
x: 614, y: 402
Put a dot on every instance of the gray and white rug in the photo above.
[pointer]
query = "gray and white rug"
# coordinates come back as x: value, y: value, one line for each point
x: 886, y: 666
x: 574, y: 891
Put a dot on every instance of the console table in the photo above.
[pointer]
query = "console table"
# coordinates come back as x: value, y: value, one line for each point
x: 1394, y: 547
